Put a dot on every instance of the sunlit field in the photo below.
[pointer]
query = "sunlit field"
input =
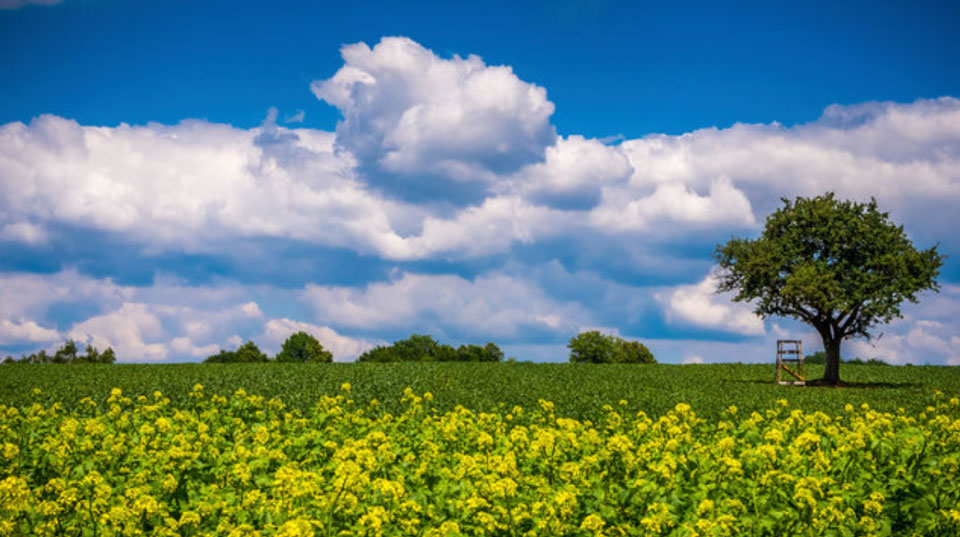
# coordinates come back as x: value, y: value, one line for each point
x: 475, y: 449
x: 577, y: 390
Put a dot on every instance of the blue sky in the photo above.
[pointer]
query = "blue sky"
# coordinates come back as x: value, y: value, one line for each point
x: 177, y: 177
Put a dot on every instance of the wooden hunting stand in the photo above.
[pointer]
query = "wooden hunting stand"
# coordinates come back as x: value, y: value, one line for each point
x: 790, y: 351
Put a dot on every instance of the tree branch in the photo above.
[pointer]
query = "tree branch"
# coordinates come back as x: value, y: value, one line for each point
x: 851, y: 318
x: 800, y: 311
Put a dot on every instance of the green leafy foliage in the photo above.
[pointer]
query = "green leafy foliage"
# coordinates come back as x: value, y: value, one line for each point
x: 475, y: 353
x: 302, y: 347
x: 841, y: 266
x: 423, y: 348
x: 634, y: 352
x: 246, y: 353
x: 578, y: 390
x: 597, y: 348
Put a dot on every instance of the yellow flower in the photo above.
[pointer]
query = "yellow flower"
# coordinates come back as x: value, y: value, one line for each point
x: 297, y: 527
x: 345, y: 387
x: 566, y: 502
x: 484, y: 441
x: 169, y: 483
x: 189, y: 518
x: 706, y: 506
x: 374, y: 519
x: 10, y: 451
x: 242, y: 472
x: 162, y: 424
x: 592, y: 523
x: 260, y: 434
x: 449, y: 529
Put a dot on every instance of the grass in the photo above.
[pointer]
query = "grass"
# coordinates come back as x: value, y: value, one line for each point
x: 577, y: 390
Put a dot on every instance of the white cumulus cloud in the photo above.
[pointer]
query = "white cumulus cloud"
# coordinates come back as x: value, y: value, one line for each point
x: 675, y: 203
x: 25, y: 331
x: 24, y: 232
x: 700, y: 305
x: 187, y: 186
x: 409, y: 112
x: 907, y: 155
x: 343, y: 348
x: 493, y: 305
x: 133, y: 331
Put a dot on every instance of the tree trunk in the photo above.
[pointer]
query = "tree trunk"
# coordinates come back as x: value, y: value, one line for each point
x: 831, y: 373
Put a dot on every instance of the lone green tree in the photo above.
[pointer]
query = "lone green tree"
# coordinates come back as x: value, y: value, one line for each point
x: 302, y: 347
x: 842, y: 267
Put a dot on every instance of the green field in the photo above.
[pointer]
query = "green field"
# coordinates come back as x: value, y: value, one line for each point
x: 223, y: 460
x: 578, y: 390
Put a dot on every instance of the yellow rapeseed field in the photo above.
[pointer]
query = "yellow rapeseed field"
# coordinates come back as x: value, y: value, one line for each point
x: 248, y: 466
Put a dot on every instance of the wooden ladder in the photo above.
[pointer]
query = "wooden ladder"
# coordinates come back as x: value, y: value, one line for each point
x: 790, y: 351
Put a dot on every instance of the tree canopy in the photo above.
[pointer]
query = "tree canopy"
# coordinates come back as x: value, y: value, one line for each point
x: 302, y: 347
x: 842, y: 267
x: 597, y: 348
x: 246, y: 353
x: 423, y: 348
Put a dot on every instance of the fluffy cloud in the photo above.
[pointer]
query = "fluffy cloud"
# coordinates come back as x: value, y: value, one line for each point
x: 343, y: 348
x: 25, y: 331
x: 187, y: 186
x: 700, y: 305
x: 926, y: 334
x: 906, y: 155
x: 126, y: 330
x: 163, y: 321
x: 24, y: 232
x: 488, y: 229
x: 155, y: 331
x: 494, y: 305
x: 30, y: 295
x: 674, y: 203
x: 421, y: 117
x: 572, y: 175
x: 198, y: 187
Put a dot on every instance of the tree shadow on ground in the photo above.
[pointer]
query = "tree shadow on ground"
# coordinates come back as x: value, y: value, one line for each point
x: 818, y: 383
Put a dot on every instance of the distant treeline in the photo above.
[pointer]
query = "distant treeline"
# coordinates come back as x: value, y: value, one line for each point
x: 68, y: 353
x: 302, y: 347
x: 586, y: 347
